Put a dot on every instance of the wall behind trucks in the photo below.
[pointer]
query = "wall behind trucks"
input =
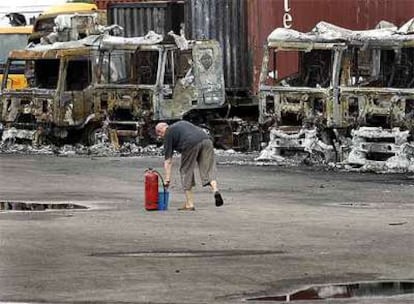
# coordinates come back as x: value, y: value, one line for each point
x: 303, y: 15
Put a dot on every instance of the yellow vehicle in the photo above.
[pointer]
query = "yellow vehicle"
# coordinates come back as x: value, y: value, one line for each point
x: 45, y: 22
x: 68, y: 8
x: 12, y: 38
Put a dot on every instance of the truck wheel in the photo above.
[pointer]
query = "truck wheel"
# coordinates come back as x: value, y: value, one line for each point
x: 224, y: 139
x: 93, y: 135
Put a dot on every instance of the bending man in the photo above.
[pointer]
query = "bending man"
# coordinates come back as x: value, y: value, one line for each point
x: 196, y: 148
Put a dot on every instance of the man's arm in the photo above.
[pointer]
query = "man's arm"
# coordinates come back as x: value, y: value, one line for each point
x: 167, y: 169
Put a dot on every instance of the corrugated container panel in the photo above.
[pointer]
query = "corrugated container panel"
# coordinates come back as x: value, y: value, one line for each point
x: 265, y: 15
x: 225, y: 21
x: 103, y: 4
x: 139, y: 18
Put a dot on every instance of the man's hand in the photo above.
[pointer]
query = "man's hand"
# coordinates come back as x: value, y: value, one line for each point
x: 166, y: 183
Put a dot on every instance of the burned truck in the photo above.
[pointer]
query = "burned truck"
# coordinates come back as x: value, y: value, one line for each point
x: 377, y: 94
x: 112, y: 88
x: 350, y: 98
x: 297, y: 109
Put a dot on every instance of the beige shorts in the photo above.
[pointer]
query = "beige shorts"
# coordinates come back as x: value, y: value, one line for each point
x: 203, y: 155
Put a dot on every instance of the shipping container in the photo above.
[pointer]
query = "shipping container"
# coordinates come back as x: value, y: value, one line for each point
x: 140, y: 17
x: 225, y: 21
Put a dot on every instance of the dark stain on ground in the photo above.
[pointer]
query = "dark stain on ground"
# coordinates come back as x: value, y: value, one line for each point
x: 25, y: 206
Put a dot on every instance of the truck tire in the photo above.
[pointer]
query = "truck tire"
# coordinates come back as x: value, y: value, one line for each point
x: 94, y: 134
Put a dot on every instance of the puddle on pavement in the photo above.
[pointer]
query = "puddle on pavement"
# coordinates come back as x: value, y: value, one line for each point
x: 352, y: 290
x: 186, y: 254
x: 36, y: 206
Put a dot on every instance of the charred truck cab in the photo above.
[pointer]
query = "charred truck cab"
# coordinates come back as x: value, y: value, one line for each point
x: 350, y: 98
x: 299, y: 109
x: 105, y: 87
x: 377, y: 94
x: 56, y: 99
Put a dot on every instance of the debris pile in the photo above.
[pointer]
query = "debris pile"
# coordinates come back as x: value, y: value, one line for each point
x: 100, y: 149
x: 306, y: 140
x: 375, y: 149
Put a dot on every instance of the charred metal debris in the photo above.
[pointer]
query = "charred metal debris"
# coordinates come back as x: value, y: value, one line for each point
x: 349, y: 100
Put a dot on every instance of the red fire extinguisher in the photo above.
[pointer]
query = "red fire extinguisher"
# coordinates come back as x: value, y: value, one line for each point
x: 151, y: 189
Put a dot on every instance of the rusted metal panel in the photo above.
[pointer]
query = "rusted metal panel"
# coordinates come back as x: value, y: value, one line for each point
x: 224, y: 21
x: 302, y: 15
x: 139, y: 18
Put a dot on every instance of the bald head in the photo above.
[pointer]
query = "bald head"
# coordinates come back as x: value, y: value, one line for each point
x: 160, y: 129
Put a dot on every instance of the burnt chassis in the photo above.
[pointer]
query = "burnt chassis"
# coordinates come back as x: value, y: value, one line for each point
x: 343, y: 106
x: 124, y: 110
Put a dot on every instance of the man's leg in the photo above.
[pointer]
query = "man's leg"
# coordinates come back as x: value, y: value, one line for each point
x: 207, y: 167
x: 217, y: 196
x: 213, y: 185
x: 188, y: 162
x: 189, y: 199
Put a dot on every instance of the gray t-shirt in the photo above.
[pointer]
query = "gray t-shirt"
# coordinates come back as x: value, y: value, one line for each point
x: 182, y: 135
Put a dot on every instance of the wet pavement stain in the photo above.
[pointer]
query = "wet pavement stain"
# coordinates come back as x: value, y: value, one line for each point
x: 351, y: 290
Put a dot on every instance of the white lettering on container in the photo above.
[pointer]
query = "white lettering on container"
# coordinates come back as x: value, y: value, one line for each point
x: 287, y: 17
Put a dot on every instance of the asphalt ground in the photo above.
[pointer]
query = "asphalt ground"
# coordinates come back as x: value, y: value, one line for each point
x: 281, y: 229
